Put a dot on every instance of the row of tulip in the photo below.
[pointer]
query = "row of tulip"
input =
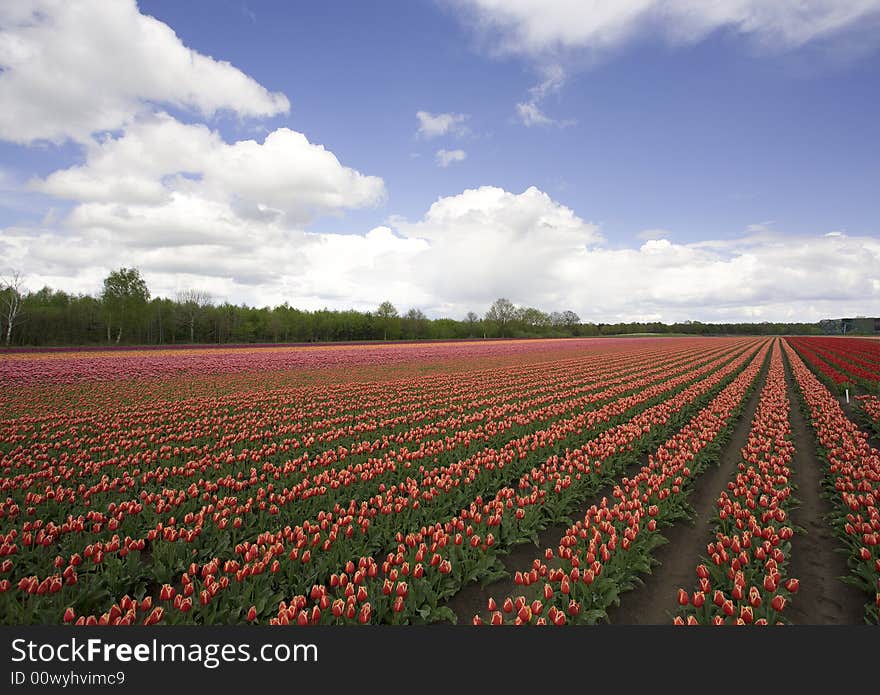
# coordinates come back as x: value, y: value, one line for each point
x: 852, y: 480
x: 601, y: 556
x: 225, y: 588
x: 744, y: 579
x: 35, y: 536
x: 870, y: 407
x: 845, y: 361
x: 219, y: 440
x: 76, y: 383
x: 43, y: 368
x: 432, y: 564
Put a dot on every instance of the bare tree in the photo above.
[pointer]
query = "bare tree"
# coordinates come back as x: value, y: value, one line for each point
x: 11, y: 290
x: 191, y: 305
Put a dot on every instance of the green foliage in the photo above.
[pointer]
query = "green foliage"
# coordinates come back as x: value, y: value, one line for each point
x: 55, y: 317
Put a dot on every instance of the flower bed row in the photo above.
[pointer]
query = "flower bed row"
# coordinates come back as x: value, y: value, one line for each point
x: 744, y: 579
x: 852, y: 481
x: 171, y: 546
x: 602, y: 556
x: 225, y: 588
x: 870, y: 407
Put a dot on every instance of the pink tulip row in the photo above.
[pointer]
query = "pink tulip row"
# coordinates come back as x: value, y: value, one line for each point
x: 870, y: 406
x: 265, y: 432
x: 447, y: 555
x: 17, y: 370
x: 271, y: 554
x: 218, y: 513
x: 601, y: 556
x: 853, y: 476
x: 744, y: 579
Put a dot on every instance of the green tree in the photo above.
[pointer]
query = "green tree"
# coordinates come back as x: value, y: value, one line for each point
x: 388, y: 318
x: 125, y: 294
x: 415, y: 324
x: 502, y: 314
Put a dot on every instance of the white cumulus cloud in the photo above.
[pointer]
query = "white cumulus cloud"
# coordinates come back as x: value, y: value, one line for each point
x: 71, y: 68
x: 464, y: 252
x: 159, y: 162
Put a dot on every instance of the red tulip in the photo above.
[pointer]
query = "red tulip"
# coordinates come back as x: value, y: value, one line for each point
x: 252, y: 614
x: 69, y: 615
x: 682, y: 597
x: 754, y: 597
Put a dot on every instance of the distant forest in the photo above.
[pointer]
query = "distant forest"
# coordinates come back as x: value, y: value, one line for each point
x: 125, y: 314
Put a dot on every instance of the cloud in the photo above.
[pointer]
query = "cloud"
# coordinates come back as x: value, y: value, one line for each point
x: 464, y: 252
x: 555, y: 27
x: 159, y: 162
x: 186, y: 206
x: 446, y: 157
x: 529, y: 112
x: 487, y: 242
x: 71, y: 68
x: 434, y: 125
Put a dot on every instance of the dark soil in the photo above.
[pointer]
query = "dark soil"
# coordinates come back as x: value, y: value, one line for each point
x: 822, y: 599
x: 654, y: 603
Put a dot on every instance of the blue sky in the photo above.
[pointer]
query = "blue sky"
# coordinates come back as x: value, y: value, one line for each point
x: 709, y: 168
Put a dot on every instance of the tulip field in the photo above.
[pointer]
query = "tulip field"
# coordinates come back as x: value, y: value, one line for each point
x: 529, y: 482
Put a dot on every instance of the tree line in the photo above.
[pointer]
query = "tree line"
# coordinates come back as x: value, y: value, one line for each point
x: 125, y: 313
